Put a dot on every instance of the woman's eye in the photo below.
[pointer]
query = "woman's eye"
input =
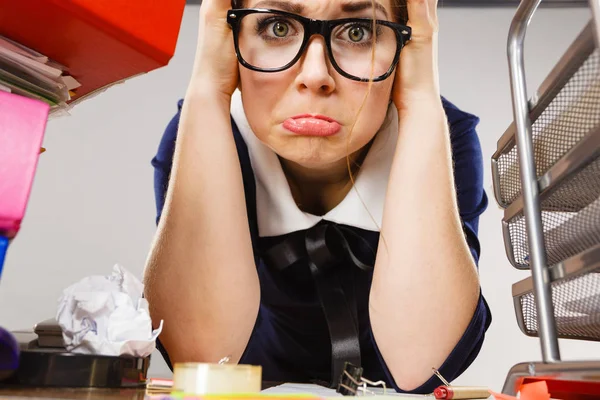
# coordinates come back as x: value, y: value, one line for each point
x: 356, y: 33
x: 280, y: 29
x: 274, y: 28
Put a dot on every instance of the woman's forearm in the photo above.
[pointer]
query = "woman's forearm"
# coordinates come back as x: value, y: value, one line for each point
x: 201, y: 277
x: 425, y: 287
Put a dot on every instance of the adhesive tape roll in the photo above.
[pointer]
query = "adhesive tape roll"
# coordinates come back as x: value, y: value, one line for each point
x: 208, y: 379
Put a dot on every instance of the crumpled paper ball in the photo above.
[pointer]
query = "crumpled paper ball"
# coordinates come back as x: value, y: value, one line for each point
x: 107, y: 315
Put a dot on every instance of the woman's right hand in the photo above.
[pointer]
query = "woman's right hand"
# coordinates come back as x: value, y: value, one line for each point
x: 215, y: 66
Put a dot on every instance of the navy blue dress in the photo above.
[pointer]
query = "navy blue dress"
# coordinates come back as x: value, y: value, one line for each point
x: 291, y: 338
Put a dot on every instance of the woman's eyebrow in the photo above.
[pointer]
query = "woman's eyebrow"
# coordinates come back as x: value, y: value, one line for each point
x: 363, y: 5
x: 295, y: 8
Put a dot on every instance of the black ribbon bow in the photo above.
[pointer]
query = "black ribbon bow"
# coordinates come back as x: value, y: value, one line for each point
x: 327, y: 249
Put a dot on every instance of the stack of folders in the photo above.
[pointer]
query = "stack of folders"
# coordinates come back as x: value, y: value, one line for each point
x: 25, y: 72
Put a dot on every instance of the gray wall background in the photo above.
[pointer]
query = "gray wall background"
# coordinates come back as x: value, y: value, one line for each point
x: 92, y: 203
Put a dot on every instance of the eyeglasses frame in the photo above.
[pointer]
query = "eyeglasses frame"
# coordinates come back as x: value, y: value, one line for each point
x: 316, y: 27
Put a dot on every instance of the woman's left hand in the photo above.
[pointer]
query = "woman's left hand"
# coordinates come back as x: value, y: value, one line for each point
x: 417, y: 74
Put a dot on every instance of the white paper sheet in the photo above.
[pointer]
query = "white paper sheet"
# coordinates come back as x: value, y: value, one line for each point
x: 306, y: 388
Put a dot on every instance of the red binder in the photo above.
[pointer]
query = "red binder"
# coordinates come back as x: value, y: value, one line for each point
x: 100, y: 41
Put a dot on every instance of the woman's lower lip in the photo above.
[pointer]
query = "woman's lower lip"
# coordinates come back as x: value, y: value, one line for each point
x: 311, y: 126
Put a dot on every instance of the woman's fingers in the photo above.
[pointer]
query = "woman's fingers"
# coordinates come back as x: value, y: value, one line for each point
x: 417, y: 75
x: 422, y: 17
x: 212, y: 11
x: 216, y: 6
x: 216, y: 63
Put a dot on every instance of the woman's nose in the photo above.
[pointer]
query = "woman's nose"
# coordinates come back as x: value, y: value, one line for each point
x: 315, y: 69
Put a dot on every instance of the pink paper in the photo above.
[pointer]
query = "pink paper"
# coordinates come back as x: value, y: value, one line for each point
x: 22, y: 127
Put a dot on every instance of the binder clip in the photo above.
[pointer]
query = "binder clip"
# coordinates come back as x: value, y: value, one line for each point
x: 352, y: 383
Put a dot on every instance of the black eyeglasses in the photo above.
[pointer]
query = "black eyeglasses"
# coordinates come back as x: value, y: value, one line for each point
x: 358, y: 48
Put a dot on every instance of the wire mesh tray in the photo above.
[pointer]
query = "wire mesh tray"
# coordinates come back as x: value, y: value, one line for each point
x: 575, y: 297
x: 568, y: 229
x: 566, y: 110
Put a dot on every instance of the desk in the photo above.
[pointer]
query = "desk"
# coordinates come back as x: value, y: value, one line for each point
x: 81, y: 393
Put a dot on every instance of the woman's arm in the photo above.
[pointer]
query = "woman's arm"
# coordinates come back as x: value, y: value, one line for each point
x: 425, y: 288
x: 201, y: 277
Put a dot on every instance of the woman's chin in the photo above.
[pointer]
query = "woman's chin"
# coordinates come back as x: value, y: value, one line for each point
x: 312, y: 152
x: 313, y: 159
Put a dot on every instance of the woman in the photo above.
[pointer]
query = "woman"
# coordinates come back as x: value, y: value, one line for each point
x: 267, y: 249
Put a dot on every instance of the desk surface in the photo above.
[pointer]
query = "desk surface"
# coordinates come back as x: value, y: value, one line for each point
x: 81, y: 393
x: 72, y: 394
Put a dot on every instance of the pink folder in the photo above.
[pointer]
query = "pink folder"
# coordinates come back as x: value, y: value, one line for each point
x: 22, y: 126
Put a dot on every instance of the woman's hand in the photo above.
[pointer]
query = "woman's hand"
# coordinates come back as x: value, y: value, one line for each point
x: 417, y: 73
x: 215, y: 66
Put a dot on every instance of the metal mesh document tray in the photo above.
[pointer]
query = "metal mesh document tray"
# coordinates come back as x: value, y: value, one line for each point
x: 566, y: 138
x: 565, y: 233
x: 546, y: 174
x: 575, y: 297
x: 565, y: 111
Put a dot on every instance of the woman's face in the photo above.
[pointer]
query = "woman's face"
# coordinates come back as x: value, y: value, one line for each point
x: 305, y: 113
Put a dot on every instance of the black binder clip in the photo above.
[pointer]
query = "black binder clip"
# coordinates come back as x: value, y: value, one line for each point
x: 352, y: 383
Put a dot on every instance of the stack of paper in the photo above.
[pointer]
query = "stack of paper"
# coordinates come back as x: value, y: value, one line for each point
x: 158, y: 386
x: 25, y: 72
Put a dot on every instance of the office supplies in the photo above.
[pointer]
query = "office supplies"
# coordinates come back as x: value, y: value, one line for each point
x: 51, y: 52
x: 158, y: 386
x: 43, y: 367
x: 535, y: 391
x: 352, y: 383
x: 461, y: 392
x: 50, y: 365
x: 528, y: 391
x: 546, y: 177
x: 37, y: 66
x: 49, y: 334
x: 311, y: 389
x: 22, y: 50
x: 100, y: 43
x: 440, y: 377
x: 9, y: 354
x: 34, y: 75
x: 215, y: 379
x: 322, y: 392
x: 22, y: 127
x: 117, y: 343
x: 448, y: 392
x: 107, y: 315
x: 27, y: 77
x: 3, y: 249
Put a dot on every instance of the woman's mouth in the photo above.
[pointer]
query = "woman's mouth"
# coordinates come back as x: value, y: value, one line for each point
x: 312, y: 125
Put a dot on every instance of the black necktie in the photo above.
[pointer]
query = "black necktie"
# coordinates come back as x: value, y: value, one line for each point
x: 327, y: 250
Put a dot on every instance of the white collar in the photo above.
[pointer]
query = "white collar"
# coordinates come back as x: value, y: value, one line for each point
x: 277, y: 212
